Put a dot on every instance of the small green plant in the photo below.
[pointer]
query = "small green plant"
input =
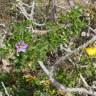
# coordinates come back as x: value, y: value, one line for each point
x: 23, y: 50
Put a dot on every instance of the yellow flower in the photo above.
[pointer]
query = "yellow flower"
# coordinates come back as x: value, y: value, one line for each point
x: 46, y: 82
x: 52, y: 91
x: 30, y: 78
x: 91, y: 51
x: 60, y: 91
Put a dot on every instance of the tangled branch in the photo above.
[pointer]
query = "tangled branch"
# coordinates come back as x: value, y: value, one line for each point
x: 61, y: 59
x: 6, y: 92
x: 29, y: 16
x: 60, y: 86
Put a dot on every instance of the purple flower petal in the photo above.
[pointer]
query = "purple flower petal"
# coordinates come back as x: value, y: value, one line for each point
x: 21, y: 46
x: 21, y: 50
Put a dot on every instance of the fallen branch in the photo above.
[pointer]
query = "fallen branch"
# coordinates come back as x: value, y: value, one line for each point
x: 54, y: 82
x: 3, y: 34
x: 29, y: 16
x: 2, y: 25
x: 6, y: 92
x: 84, y: 81
x: 62, y: 87
x: 61, y: 59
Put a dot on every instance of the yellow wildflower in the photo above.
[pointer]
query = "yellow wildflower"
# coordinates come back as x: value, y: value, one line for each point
x: 52, y: 91
x: 30, y: 78
x: 46, y: 82
x: 91, y: 51
x: 60, y: 91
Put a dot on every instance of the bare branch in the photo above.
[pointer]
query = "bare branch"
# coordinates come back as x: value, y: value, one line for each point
x: 2, y: 25
x: 62, y: 87
x: 84, y: 81
x: 6, y: 92
x: 32, y: 10
x: 61, y: 59
x: 54, y: 82
x: 3, y: 34
x: 71, y: 3
x: 29, y: 16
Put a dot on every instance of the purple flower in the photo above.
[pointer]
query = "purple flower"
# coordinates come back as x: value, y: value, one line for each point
x: 21, y: 46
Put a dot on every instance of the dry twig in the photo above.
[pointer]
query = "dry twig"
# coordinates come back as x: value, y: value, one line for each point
x: 84, y: 81
x: 29, y: 16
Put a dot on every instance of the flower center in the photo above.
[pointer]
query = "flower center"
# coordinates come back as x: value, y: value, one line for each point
x: 20, y: 46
